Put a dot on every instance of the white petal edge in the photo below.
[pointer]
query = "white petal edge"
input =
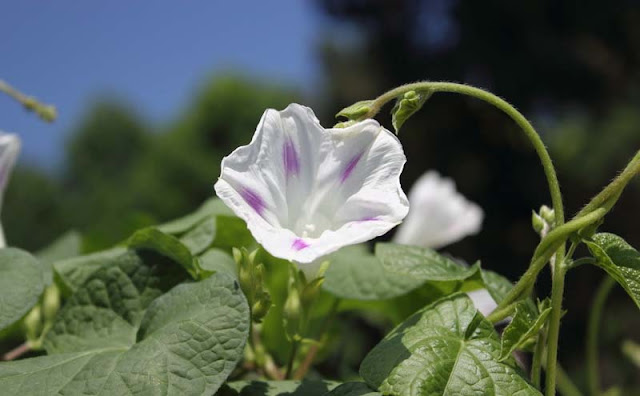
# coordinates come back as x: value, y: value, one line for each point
x: 278, y: 240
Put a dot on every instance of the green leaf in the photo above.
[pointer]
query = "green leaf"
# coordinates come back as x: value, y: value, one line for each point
x: 72, y: 273
x: 354, y: 273
x: 421, y: 263
x: 406, y: 106
x: 446, y: 348
x: 212, y: 207
x: 153, y: 239
x: 22, y: 281
x: 277, y: 388
x: 200, y: 238
x: 522, y: 327
x: 354, y: 389
x: 187, y: 342
x: 232, y: 232
x: 66, y: 246
x: 620, y: 260
x: 106, y: 310
x: 216, y: 260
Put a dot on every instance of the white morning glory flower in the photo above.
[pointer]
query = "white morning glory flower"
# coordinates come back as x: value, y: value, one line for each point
x: 306, y: 191
x: 9, y: 148
x: 439, y: 215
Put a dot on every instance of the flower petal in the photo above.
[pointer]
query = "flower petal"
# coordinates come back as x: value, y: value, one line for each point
x: 439, y: 215
x: 9, y: 149
x: 305, y: 191
x: 483, y: 301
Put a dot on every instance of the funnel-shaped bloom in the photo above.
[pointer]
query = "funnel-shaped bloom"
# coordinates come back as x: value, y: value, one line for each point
x: 9, y: 148
x: 439, y: 214
x: 306, y: 191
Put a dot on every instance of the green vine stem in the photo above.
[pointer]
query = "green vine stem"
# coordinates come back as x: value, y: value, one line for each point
x: 609, y: 195
x: 515, y: 115
x: 593, y: 328
x: 536, y: 363
x: 547, y: 248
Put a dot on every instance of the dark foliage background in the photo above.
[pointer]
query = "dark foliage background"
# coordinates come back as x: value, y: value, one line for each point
x: 572, y: 68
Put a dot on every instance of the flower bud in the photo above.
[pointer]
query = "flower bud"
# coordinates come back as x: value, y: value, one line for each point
x: 548, y: 214
x: 50, y: 303
x: 292, y: 313
x: 356, y: 111
x: 32, y: 324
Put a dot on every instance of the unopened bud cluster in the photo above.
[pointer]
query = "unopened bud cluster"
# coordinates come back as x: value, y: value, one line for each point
x: 301, y: 295
x: 251, y: 278
x: 544, y: 220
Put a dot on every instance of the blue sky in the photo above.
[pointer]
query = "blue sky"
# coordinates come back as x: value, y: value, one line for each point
x: 151, y: 53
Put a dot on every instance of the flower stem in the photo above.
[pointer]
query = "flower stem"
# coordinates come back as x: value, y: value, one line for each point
x: 292, y: 358
x: 313, y: 350
x: 515, y: 115
x: 608, y: 196
x: 592, y: 334
x: 17, y: 352
x: 546, y: 248
x: 536, y: 364
x: 557, y: 291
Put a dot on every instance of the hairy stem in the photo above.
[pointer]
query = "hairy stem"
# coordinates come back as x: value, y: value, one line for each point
x: 609, y: 195
x: 547, y: 248
x: 557, y: 292
x: 536, y: 364
x: 515, y: 115
x: 592, y: 334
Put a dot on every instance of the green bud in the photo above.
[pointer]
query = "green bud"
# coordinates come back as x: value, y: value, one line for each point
x: 543, y: 221
x: 237, y: 255
x: 356, y: 111
x: 47, y: 113
x: 261, y: 307
x: 311, y: 291
x: 50, y: 303
x: 548, y: 214
x: 32, y: 324
x: 407, y: 105
x: 292, y: 314
x: 538, y: 222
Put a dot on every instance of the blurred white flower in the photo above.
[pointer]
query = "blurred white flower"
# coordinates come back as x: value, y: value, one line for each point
x: 306, y: 191
x: 9, y: 148
x: 483, y: 301
x: 439, y: 215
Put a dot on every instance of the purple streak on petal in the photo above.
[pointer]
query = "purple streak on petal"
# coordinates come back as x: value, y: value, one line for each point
x: 350, y: 167
x: 290, y: 158
x: 374, y: 218
x: 298, y: 244
x: 253, y: 199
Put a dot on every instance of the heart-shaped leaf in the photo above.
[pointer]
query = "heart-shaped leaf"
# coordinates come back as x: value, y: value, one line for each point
x: 355, y: 273
x: 104, y: 342
x: 620, y: 260
x: 446, y: 348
